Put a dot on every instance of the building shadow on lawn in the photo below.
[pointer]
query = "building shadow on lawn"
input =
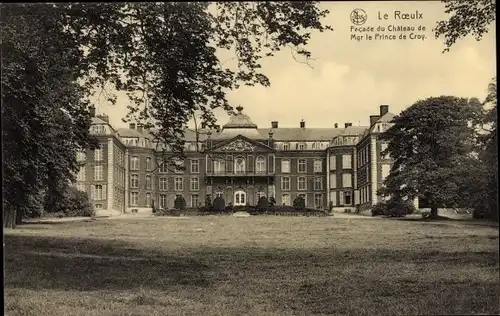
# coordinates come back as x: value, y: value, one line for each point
x: 36, y: 262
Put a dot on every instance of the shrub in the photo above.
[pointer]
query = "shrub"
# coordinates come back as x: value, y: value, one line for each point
x: 299, y: 203
x: 272, y: 201
x: 208, y: 202
x: 219, y: 204
x: 330, y: 206
x: 262, y: 204
x: 180, y: 203
x: 394, y: 208
x: 154, y: 207
x: 379, y: 208
x: 78, y: 204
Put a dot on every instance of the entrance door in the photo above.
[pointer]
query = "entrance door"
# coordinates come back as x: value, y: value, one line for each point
x: 240, y: 198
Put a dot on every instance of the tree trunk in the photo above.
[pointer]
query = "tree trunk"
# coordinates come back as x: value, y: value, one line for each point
x: 434, y: 210
x: 19, y: 217
x: 9, y: 218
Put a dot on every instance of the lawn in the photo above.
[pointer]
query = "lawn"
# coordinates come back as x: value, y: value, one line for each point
x: 252, y: 266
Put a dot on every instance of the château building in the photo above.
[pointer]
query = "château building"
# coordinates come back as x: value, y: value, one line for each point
x: 240, y: 162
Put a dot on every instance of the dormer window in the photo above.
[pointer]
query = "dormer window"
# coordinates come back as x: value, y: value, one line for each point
x: 301, y: 146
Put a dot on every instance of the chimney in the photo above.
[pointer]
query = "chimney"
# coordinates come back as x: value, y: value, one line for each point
x: 104, y: 117
x: 336, y: 125
x: 274, y: 124
x: 347, y: 125
x: 131, y: 125
x: 374, y: 119
x: 302, y: 124
x: 139, y: 128
x: 383, y: 110
x: 92, y: 111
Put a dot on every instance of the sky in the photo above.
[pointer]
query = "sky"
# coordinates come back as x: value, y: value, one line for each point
x: 350, y: 79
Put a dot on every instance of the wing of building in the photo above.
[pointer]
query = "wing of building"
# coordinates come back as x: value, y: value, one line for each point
x: 339, y: 165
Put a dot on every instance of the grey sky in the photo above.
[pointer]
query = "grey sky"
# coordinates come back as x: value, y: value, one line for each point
x: 351, y: 79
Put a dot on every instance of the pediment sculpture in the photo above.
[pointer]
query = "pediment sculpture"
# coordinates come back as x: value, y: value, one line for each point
x: 238, y: 145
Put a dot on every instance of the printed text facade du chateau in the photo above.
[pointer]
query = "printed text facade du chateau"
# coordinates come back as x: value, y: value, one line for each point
x: 394, y: 31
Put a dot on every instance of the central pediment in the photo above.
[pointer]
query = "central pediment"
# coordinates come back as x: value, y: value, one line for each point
x: 241, y: 144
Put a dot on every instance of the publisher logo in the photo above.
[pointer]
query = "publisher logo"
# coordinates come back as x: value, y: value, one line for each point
x: 358, y: 17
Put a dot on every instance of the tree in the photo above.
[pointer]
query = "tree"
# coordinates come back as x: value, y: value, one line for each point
x: 467, y: 17
x: 164, y: 55
x: 433, y: 143
x: 180, y: 203
x: 489, y: 154
x: 299, y: 203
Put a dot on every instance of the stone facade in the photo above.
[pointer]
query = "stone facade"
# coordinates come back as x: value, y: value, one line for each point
x: 239, y: 162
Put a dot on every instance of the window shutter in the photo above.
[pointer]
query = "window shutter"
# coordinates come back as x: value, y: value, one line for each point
x: 92, y: 192
x: 104, y: 194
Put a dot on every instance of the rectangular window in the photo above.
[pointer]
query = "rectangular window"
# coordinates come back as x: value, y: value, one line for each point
x: 163, y: 184
x: 285, y: 183
x: 333, y: 181
x: 99, y: 192
x: 346, y: 161
x: 383, y: 147
x: 98, y: 154
x: 80, y: 156
x: 219, y: 166
x: 134, y: 163
x: 285, y: 199
x: 149, y: 163
x: 347, y: 198
x: 195, y: 184
x: 286, y: 146
x: 333, y: 162
x: 318, y: 183
x: 164, y: 168
x: 178, y: 184
x: 148, y: 182
x: 301, y: 166
x: 81, y: 187
x: 302, y: 183
x: 333, y: 197
x: 285, y: 166
x: 81, y: 174
x: 386, y: 169
x: 134, y: 181
x: 148, y: 200
x: 179, y: 166
x: 318, y: 200
x: 195, y: 166
x: 301, y: 146
x: 346, y: 180
x: 163, y: 201
x: 134, y: 198
x: 318, y: 165
x: 98, y: 173
x: 195, y: 200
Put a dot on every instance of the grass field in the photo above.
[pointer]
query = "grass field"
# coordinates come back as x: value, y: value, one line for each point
x: 252, y: 266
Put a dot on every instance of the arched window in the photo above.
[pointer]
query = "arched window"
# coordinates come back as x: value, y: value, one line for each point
x: 260, y: 165
x: 240, y: 198
x: 239, y: 165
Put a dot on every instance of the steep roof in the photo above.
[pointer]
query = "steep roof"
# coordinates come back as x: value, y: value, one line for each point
x: 98, y: 120
x: 386, y: 118
x: 127, y: 132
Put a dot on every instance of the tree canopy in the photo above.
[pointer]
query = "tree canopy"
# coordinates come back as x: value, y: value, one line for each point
x: 164, y: 55
x: 467, y: 17
x: 433, y: 143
